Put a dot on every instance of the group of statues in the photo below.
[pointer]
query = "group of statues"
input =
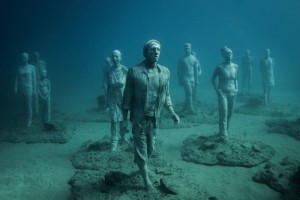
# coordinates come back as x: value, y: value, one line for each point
x: 142, y: 92
x: 33, y: 88
x: 227, y: 89
x: 266, y: 69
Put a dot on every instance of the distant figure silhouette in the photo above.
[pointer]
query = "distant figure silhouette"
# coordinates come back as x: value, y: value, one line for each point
x: 44, y: 91
x: 40, y: 66
x: 188, y: 76
x: 195, y: 91
x: 266, y: 68
x: 25, y: 87
x: 102, y: 99
x: 247, y: 69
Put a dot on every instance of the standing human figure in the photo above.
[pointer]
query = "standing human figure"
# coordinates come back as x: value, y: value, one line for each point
x: 247, y: 66
x: 44, y: 93
x: 146, y: 94
x: 266, y: 68
x: 226, y: 90
x: 188, y: 76
x: 25, y: 87
x: 115, y: 77
x: 40, y: 66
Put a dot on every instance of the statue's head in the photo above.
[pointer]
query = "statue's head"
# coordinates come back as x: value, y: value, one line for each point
x: 226, y: 53
x: 151, y: 50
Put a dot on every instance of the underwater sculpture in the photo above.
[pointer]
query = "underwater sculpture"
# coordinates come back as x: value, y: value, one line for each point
x: 226, y: 90
x: 40, y: 66
x: 199, y: 70
x: 44, y: 93
x: 188, y: 76
x: 115, y: 78
x: 25, y: 87
x: 146, y: 93
x: 247, y: 66
x: 107, y: 65
x: 266, y: 68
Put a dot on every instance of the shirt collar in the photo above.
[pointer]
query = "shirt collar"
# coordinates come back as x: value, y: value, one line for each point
x: 143, y: 68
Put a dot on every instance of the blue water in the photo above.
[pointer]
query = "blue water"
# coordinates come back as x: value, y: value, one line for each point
x: 75, y: 36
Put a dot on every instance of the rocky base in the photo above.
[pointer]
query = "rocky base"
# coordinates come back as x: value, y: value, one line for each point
x: 283, y: 177
x: 234, y: 152
x: 103, y: 174
x: 204, y: 114
x: 50, y: 132
x: 255, y: 106
x: 284, y: 126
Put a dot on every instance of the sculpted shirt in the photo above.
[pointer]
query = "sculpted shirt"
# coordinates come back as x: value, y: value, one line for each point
x: 266, y: 67
x: 26, y: 79
x: 115, y: 81
x: 247, y: 64
x: 146, y: 93
x: 188, y: 69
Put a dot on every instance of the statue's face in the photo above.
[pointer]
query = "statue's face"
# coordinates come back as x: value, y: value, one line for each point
x: 153, y: 52
x: 116, y: 57
x: 25, y: 57
x: 188, y: 49
x: 227, y: 55
x: 267, y: 52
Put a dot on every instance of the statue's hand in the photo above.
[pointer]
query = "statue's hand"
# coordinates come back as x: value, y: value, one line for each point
x: 219, y: 91
x: 176, y: 119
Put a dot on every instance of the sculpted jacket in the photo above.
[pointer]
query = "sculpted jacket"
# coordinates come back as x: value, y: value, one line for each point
x: 136, y: 90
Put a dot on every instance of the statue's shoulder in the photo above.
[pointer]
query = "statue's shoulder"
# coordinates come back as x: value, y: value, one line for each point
x: 124, y: 69
x: 235, y: 65
x: 164, y: 68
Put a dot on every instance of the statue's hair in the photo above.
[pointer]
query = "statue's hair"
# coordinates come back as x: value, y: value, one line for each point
x: 148, y: 44
x: 225, y: 50
x: 187, y: 44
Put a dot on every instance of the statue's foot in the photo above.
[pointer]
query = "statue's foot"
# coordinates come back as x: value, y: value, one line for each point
x: 114, y: 146
x: 151, y: 189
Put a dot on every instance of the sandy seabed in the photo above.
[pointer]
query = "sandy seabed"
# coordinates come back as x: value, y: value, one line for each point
x: 42, y: 170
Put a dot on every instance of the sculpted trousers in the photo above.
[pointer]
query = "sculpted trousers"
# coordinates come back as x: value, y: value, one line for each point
x: 144, y: 135
x: 188, y: 89
x: 226, y: 104
x: 266, y: 94
x: 25, y: 103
